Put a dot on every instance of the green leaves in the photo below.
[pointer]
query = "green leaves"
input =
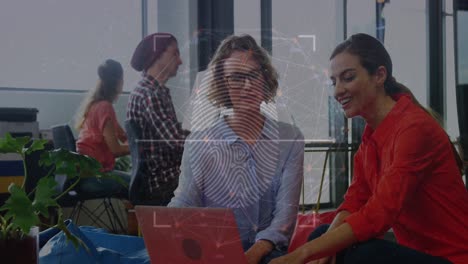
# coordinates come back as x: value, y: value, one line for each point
x: 20, y: 211
x: 37, y: 144
x: 12, y: 145
x: 44, y: 196
x: 18, y: 145
x: 71, y: 164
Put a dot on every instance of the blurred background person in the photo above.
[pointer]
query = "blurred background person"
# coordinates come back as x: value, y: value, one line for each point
x: 150, y: 105
x: 100, y: 135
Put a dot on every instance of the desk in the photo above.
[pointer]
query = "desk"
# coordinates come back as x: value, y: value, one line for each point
x: 11, y: 170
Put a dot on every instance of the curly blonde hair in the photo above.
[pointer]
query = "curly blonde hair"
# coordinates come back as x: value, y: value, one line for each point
x: 217, y: 87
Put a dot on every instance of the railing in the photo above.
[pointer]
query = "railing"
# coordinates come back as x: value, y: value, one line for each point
x: 327, y: 146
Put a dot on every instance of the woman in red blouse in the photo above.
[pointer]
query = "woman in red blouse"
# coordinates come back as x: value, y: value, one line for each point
x: 406, y: 176
x: 101, y: 136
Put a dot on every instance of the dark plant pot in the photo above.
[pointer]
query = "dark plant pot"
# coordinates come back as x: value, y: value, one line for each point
x: 20, y: 251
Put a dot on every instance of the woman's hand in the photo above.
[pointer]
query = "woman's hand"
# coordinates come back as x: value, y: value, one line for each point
x: 337, y: 221
x: 291, y: 258
x: 121, y: 135
x: 258, y: 250
x: 112, y: 141
x: 252, y: 257
x: 325, y: 260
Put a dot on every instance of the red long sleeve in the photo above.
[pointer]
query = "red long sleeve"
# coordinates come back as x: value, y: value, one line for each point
x: 406, y: 178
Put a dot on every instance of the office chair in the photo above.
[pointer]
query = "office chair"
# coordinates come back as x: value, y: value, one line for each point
x: 63, y: 138
x: 37, y: 171
x: 137, y: 191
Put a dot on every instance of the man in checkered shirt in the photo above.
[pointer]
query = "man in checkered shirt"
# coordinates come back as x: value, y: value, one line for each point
x: 150, y: 105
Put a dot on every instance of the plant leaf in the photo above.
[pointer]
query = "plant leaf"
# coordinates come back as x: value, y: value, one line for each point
x: 37, y: 144
x: 19, y: 209
x: 44, y: 196
x: 107, y: 175
x: 9, y: 144
x: 71, y: 164
x: 77, y: 242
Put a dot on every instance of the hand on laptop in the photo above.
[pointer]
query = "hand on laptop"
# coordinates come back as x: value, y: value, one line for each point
x: 325, y: 260
x: 257, y: 251
x: 291, y: 258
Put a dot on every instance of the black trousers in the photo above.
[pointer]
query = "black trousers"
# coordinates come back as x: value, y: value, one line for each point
x: 379, y: 251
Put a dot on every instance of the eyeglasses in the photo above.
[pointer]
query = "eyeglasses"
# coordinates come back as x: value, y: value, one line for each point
x: 237, y: 79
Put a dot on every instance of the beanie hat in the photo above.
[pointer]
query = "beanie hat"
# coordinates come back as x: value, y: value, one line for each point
x: 150, y: 49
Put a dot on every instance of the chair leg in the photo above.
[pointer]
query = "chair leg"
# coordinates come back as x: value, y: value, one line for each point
x: 95, y: 215
x: 75, y: 213
x: 109, y: 214
x: 114, y: 216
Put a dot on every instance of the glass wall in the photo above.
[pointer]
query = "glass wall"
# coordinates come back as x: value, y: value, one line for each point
x: 180, y: 19
x: 462, y: 75
x: 450, y: 85
x: 304, y: 34
x: 406, y: 41
x: 247, y: 18
x: 356, y: 22
x: 59, y: 44
x: 405, y: 38
x: 462, y: 17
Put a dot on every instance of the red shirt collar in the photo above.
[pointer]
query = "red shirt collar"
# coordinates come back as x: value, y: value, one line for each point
x: 384, y: 129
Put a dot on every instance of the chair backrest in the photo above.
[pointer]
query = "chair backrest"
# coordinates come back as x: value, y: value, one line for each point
x: 35, y: 170
x: 63, y: 137
x: 137, y: 189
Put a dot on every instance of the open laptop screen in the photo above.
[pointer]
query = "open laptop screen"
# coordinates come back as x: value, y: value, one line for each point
x: 190, y: 235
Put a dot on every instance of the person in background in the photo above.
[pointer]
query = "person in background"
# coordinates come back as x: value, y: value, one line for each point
x: 150, y: 105
x: 246, y: 159
x: 407, y: 174
x: 100, y: 135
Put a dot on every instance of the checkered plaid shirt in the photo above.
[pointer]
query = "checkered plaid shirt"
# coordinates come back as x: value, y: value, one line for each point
x: 150, y: 105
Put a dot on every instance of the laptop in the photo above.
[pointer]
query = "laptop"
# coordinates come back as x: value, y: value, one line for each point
x: 190, y: 235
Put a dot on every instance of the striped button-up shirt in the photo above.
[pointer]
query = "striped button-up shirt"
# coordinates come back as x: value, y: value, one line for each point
x: 261, y: 183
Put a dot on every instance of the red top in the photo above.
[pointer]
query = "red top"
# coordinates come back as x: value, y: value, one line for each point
x: 406, y: 178
x: 91, y: 139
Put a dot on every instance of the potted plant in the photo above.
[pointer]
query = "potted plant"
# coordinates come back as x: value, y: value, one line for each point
x: 23, y: 211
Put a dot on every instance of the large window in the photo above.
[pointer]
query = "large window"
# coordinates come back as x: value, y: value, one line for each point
x: 462, y: 17
x: 406, y: 41
x: 405, y: 38
x: 450, y: 85
x: 247, y: 19
x: 180, y: 19
x: 461, y: 57
x: 304, y: 34
x: 59, y: 44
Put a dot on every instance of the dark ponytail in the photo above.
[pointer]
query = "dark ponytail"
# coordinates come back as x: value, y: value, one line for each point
x: 110, y: 74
